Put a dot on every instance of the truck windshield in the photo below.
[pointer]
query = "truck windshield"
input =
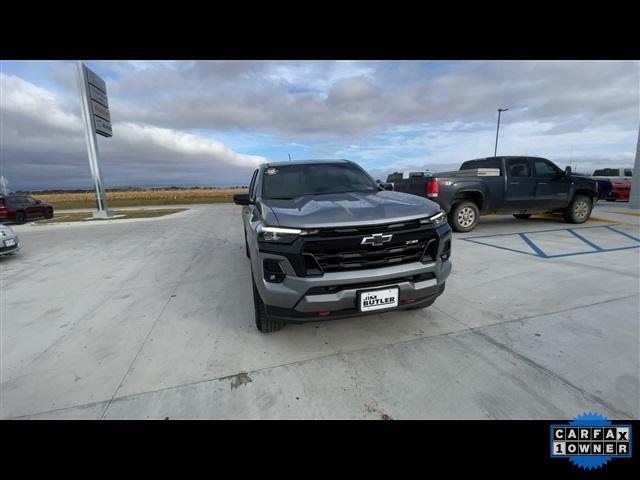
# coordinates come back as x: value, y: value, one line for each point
x: 290, y: 181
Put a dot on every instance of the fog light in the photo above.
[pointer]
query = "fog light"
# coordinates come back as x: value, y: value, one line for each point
x: 446, y: 250
x: 273, y: 271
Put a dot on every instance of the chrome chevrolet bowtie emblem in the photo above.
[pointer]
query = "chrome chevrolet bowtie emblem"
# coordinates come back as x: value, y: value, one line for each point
x: 377, y: 239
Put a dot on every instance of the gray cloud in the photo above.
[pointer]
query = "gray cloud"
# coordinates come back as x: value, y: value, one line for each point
x: 260, y: 95
x: 445, y: 111
x: 43, y: 145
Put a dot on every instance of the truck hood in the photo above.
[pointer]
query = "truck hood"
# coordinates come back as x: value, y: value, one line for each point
x: 350, y: 209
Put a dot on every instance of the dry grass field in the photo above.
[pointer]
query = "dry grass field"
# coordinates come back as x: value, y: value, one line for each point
x: 134, y: 198
x: 118, y: 215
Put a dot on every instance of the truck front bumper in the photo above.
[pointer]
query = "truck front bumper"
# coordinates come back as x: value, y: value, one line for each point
x: 344, y: 305
x: 301, y: 299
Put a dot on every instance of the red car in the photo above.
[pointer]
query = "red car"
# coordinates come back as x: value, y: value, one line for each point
x: 619, y: 191
x: 21, y: 208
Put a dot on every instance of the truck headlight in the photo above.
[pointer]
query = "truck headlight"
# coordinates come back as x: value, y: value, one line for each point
x: 281, y: 235
x: 438, y: 219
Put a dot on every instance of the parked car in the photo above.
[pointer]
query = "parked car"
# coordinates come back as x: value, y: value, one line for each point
x: 325, y: 241
x: 517, y: 185
x: 9, y: 242
x: 613, y: 174
x: 20, y: 208
x: 620, y: 191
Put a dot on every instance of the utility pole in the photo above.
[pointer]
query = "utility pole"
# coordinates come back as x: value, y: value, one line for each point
x: 289, y: 156
x: 500, y: 110
x: 634, y: 195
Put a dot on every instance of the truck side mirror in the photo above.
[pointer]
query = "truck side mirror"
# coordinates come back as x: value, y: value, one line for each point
x: 241, y: 199
x: 567, y: 171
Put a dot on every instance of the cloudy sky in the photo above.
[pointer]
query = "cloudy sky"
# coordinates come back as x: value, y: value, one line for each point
x: 210, y: 123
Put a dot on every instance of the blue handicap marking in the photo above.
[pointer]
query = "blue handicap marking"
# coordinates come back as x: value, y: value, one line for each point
x: 562, y: 242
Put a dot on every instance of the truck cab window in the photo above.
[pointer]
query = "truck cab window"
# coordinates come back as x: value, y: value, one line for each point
x: 606, y: 172
x: 545, y: 169
x: 519, y: 168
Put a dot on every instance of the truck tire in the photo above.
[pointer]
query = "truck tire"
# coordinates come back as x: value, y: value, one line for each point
x: 522, y: 216
x: 263, y: 322
x: 579, y: 210
x: 246, y: 246
x: 464, y: 216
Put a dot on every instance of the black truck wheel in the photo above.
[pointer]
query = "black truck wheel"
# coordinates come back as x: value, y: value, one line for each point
x: 246, y: 246
x: 263, y: 322
x: 522, y: 216
x: 579, y: 210
x: 464, y: 216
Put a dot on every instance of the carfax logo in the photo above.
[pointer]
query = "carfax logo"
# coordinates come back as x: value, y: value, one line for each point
x: 590, y: 441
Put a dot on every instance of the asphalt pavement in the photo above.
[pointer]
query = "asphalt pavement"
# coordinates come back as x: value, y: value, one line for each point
x: 153, y: 318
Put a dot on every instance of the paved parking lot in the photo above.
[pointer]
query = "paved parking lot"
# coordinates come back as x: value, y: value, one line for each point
x: 154, y: 319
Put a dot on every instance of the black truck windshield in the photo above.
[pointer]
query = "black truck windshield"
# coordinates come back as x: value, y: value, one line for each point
x: 290, y: 181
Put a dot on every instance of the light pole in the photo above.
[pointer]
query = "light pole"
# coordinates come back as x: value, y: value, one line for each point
x: 500, y: 110
x: 634, y: 195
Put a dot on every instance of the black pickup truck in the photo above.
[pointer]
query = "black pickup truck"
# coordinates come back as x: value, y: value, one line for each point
x: 517, y: 185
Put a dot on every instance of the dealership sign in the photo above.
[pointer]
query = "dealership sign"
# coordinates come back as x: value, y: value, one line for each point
x: 96, y: 92
x: 97, y: 119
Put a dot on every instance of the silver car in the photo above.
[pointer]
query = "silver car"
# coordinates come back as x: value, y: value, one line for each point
x: 9, y: 242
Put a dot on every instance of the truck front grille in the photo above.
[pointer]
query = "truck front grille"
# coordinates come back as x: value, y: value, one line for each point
x: 334, y: 253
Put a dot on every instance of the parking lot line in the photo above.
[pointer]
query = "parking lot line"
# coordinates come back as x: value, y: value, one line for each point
x: 535, y: 248
x: 538, y: 251
x: 623, y: 233
x: 588, y: 242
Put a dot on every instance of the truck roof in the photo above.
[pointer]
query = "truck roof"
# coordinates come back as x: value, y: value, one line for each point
x: 304, y: 162
x: 503, y: 156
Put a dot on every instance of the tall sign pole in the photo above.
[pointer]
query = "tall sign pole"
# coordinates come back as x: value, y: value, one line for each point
x: 97, y: 119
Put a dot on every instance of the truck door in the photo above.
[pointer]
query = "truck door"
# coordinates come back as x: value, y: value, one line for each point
x: 29, y: 206
x: 521, y: 184
x: 552, y: 189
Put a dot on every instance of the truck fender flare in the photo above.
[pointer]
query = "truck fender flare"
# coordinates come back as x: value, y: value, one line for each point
x: 470, y: 190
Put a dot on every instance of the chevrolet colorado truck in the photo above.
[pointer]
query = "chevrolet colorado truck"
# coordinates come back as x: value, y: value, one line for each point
x: 325, y: 241
x: 517, y: 185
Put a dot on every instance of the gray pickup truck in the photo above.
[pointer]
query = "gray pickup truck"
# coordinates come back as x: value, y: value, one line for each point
x: 517, y: 185
x: 325, y: 241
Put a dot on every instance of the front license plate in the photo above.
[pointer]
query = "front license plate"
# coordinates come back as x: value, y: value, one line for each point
x: 378, y: 299
x: 9, y: 243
